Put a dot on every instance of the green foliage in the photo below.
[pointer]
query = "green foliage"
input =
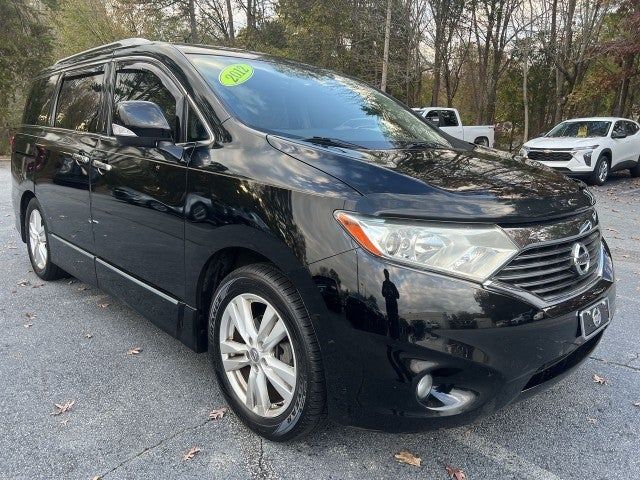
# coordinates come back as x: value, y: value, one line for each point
x: 25, y: 48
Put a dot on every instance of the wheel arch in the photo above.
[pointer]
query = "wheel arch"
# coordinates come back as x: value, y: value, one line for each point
x: 606, y: 152
x: 234, y: 251
x: 481, y: 137
x: 24, y: 202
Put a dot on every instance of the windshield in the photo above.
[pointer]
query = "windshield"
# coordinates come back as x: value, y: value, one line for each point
x: 581, y: 129
x: 316, y: 105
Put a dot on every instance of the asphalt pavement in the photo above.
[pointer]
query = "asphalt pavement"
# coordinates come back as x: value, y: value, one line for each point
x: 136, y: 416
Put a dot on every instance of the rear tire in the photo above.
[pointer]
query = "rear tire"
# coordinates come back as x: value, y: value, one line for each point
x: 635, y: 171
x: 600, y: 172
x: 37, y: 235
x: 248, y: 363
x: 482, y: 141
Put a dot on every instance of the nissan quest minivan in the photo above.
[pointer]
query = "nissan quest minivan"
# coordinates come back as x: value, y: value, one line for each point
x: 331, y: 251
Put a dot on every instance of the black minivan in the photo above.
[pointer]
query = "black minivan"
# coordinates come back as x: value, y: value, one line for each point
x: 334, y: 253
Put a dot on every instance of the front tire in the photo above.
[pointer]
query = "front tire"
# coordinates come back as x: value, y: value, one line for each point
x: 600, y: 172
x: 265, y: 353
x: 37, y: 235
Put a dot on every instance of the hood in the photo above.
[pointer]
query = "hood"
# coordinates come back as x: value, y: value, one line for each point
x: 475, y: 185
x: 562, y: 142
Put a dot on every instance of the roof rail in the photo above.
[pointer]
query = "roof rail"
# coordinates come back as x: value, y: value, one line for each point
x: 126, y: 42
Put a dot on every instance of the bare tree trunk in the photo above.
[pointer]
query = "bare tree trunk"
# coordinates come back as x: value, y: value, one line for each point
x: 231, y: 29
x: 525, y: 95
x: 385, y: 53
x: 192, y: 21
x: 627, y: 65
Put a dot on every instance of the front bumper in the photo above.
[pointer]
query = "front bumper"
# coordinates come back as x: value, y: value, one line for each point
x: 574, y: 167
x: 494, y: 345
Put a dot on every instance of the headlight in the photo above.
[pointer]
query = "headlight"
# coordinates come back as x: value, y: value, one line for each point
x: 524, y: 151
x: 586, y: 153
x: 473, y: 252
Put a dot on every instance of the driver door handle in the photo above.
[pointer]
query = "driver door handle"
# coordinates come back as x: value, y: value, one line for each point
x: 102, y: 165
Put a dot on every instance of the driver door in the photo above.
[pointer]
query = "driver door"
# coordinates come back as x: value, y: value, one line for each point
x: 624, y: 151
x: 137, y: 202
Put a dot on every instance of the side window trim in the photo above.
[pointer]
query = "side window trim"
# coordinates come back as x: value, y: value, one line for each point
x: 79, y: 72
x: 188, y: 103
x: 160, y: 73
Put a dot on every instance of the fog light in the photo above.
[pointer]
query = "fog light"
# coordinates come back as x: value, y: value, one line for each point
x: 424, y: 387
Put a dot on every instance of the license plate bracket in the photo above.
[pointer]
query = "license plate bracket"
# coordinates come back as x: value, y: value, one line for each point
x: 594, y: 318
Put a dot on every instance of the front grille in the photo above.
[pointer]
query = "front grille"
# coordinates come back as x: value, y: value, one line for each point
x: 549, y: 155
x: 548, y: 271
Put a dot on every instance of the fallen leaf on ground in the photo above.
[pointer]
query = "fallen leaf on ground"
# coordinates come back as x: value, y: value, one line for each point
x: 83, y: 288
x: 103, y: 305
x: 217, y: 413
x: 64, y: 407
x: 88, y: 335
x: 30, y: 315
x: 134, y: 351
x: 97, y: 477
x: 28, y: 325
x: 24, y: 283
x: 599, y: 380
x: 455, y: 473
x: 592, y: 420
x: 636, y: 404
x: 191, y: 453
x: 408, y: 458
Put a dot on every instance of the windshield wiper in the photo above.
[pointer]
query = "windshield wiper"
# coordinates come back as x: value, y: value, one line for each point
x: 433, y: 145
x: 332, y: 142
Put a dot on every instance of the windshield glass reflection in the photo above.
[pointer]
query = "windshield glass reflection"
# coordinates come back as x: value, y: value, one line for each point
x: 315, y: 105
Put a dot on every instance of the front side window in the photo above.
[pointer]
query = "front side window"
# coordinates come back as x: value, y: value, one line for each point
x: 581, y: 129
x: 448, y: 118
x: 632, y: 128
x: 306, y: 103
x: 141, y: 84
x: 36, y: 111
x: 619, y: 129
x: 79, y: 102
x: 433, y: 117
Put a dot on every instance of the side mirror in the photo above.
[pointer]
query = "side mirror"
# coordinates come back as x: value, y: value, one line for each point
x: 140, y: 123
x: 618, y: 134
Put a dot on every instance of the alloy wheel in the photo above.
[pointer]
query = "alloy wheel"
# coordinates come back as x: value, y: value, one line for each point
x: 37, y: 240
x: 603, y: 172
x: 257, y: 355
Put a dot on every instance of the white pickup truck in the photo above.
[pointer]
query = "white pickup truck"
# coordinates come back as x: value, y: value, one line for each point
x: 448, y: 120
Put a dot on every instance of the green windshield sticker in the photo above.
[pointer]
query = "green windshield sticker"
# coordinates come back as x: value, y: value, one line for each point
x: 235, y: 74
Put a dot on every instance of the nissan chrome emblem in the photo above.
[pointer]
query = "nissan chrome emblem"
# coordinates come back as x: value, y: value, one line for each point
x: 580, y: 258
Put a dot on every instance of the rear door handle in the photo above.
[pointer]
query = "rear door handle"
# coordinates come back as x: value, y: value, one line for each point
x: 102, y: 166
x: 81, y: 158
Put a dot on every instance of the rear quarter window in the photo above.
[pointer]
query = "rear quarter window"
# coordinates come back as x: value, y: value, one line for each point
x: 38, y: 106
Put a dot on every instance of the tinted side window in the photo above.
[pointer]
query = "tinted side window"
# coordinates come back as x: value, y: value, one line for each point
x: 134, y: 84
x: 79, y: 102
x: 432, y: 116
x: 36, y: 111
x: 632, y: 128
x: 618, y: 127
x: 448, y: 118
